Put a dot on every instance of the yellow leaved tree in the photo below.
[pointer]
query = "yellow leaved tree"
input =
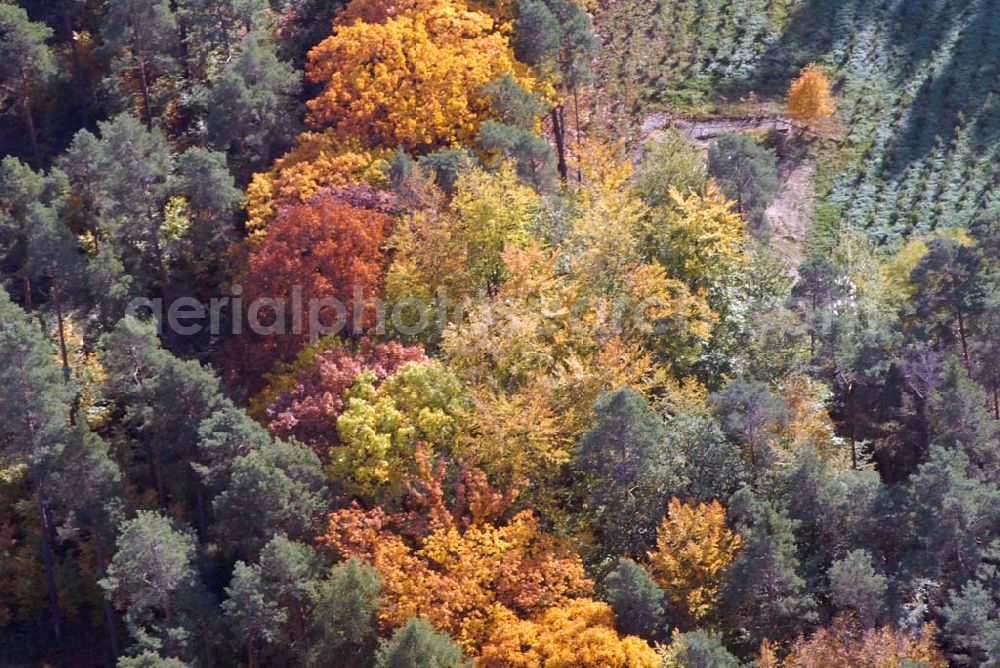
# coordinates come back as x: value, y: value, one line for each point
x: 578, y: 634
x: 319, y: 161
x: 693, y: 549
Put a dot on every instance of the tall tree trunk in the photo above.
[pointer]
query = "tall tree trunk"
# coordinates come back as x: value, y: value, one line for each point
x: 57, y: 301
x: 147, y: 105
x: 962, y: 337
x: 29, y: 120
x: 202, y: 516
x: 109, y: 615
x: 161, y: 491
x: 26, y: 284
x: 576, y: 118
x: 854, y: 449
x: 50, y: 571
x: 559, y: 131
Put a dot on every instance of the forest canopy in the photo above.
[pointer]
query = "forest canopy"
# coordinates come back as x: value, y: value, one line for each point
x: 501, y: 333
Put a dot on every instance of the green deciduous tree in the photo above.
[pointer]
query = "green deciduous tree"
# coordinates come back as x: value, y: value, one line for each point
x: 671, y: 161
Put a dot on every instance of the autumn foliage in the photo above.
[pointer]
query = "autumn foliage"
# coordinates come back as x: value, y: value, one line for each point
x: 846, y: 645
x: 577, y: 634
x: 414, y: 80
x: 319, y: 250
x: 306, y: 402
x: 319, y: 161
x: 459, y: 567
x: 693, y: 549
x: 809, y: 97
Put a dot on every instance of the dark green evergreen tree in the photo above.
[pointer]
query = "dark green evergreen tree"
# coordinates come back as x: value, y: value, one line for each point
x: 750, y: 415
x: 556, y: 37
x: 764, y: 593
x: 26, y: 62
x: 703, y: 649
x: 153, y: 579
x: 34, y: 423
x: 141, y: 39
x: 637, y: 600
x: 856, y: 586
x: 627, y: 473
x: 972, y: 615
x: 251, y: 107
x: 747, y: 173
x: 342, y: 629
x: 283, y: 484
x: 418, y: 645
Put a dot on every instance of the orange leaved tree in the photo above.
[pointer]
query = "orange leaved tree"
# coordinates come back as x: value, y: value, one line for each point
x: 459, y: 567
x: 415, y: 80
x: 809, y: 98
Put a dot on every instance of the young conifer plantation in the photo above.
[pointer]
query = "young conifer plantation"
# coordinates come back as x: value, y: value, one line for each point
x: 500, y: 333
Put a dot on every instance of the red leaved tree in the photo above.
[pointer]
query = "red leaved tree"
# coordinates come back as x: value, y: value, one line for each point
x: 319, y: 250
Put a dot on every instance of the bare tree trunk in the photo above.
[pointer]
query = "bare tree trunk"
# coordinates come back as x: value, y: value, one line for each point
x: 57, y: 301
x: 576, y: 117
x: 963, y: 339
x: 50, y: 573
x: 559, y: 131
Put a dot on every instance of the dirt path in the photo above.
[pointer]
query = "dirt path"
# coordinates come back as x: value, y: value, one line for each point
x: 791, y: 212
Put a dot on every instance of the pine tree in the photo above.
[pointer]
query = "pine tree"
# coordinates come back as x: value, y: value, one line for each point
x: 637, y: 600
x: 141, y: 36
x: 763, y: 591
x: 855, y: 585
x: 34, y: 420
x: 626, y: 471
x: 250, y: 107
x: 343, y: 628
x: 747, y: 173
x: 418, y: 645
x: 26, y: 62
x: 153, y: 579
